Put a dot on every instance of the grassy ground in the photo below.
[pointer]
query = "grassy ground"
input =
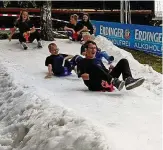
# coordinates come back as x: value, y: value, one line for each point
x: 143, y: 58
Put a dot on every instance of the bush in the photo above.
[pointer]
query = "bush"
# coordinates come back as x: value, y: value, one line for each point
x: 3, y: 35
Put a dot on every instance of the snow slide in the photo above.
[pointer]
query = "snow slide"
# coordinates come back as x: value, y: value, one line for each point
x: 61, y: 114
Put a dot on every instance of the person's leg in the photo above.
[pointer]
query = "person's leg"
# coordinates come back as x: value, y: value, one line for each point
x: 98, y: 75
x: 68, y: 66
x: 21, y: 38
x: 70, y: 35
x: 22, y: 41
x: 121, y: 67
x: 34, y: 35
x: 75, y: 60
x: 104, y: 54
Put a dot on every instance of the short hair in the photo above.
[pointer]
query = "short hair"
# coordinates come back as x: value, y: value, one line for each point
x: 85, y: 33
x: 88, y: 42
x: 49, y: 46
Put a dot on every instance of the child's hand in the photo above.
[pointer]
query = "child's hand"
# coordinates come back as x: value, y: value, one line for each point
x: 48, y: 76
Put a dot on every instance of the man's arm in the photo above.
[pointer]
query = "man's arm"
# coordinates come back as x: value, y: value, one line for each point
x: 32, y: 29
x: 48, y: 63
x: 70, y: 29
x: 103, y: 67
x: 83, y: 29
x: 81, y: 71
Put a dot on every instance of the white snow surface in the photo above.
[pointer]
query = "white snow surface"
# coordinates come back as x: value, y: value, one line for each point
x: 61, y: 114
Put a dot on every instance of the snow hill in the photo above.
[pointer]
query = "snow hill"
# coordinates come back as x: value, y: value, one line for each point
x: 61, y: 114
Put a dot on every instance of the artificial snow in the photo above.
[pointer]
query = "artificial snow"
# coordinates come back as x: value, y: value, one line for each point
x: 61, y: 114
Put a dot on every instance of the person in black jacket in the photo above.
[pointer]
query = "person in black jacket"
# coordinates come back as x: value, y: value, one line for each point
x: 99, y: 53
x: 74, y: 28
x: 28, y: 33
x: 60, y: 64
x: 87, y: 24
x: 96, y: 77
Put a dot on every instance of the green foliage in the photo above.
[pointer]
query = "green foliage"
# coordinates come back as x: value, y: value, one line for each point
x: 22, y: 4
x: 4, y: 35
x: 5, y: 3
x: 144, y: 58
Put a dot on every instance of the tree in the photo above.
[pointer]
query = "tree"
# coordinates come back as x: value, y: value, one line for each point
x: 45, y: 16
x: 46, y: 21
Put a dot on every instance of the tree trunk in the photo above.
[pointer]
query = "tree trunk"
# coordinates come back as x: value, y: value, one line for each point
x: 46, y: 21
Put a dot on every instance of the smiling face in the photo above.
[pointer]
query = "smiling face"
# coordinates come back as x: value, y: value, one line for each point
x: 24, y: 15
x: 53, y: 49
x: 85, y: 18
x: 73, y: 19
x: 91, y: 51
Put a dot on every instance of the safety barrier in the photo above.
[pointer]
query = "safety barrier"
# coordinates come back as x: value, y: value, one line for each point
x: 17, y: 15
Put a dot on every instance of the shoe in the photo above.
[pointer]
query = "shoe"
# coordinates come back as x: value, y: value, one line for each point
x: 39, y: 44
x: 131, y: 83
x: 24, y: 46
x: 118, y: 84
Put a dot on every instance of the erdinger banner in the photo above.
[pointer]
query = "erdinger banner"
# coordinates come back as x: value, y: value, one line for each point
x: 140, y: 37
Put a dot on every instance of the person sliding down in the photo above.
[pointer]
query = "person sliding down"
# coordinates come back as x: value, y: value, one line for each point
x: 74, y: 29
x: 99, y: 53
x: 59, y: 64
x: 28, y: 33
x: 97, y: 78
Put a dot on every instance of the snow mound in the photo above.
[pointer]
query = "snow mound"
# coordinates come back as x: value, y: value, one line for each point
x: 28, y: 122
x: 153, y: 80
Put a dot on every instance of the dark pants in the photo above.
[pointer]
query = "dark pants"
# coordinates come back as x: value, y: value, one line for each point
x: 123, y: 68
x: 32, y: 37
x: 98, y: 74
x: 60, y: 70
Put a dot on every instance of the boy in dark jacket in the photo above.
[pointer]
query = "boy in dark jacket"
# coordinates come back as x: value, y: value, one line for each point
x: 99, y: 53
x: 96, y: 77
x: 60, y: 64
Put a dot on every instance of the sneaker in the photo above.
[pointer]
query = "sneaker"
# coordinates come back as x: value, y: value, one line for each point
x: 24, y: 46
x: 118, y: 84
x: 39, y: 44
x: 132, y: 83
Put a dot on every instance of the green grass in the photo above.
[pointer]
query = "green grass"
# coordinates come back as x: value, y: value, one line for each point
x: 144, y: 58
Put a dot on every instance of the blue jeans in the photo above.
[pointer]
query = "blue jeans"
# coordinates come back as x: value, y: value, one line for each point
x: 101, y: 54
